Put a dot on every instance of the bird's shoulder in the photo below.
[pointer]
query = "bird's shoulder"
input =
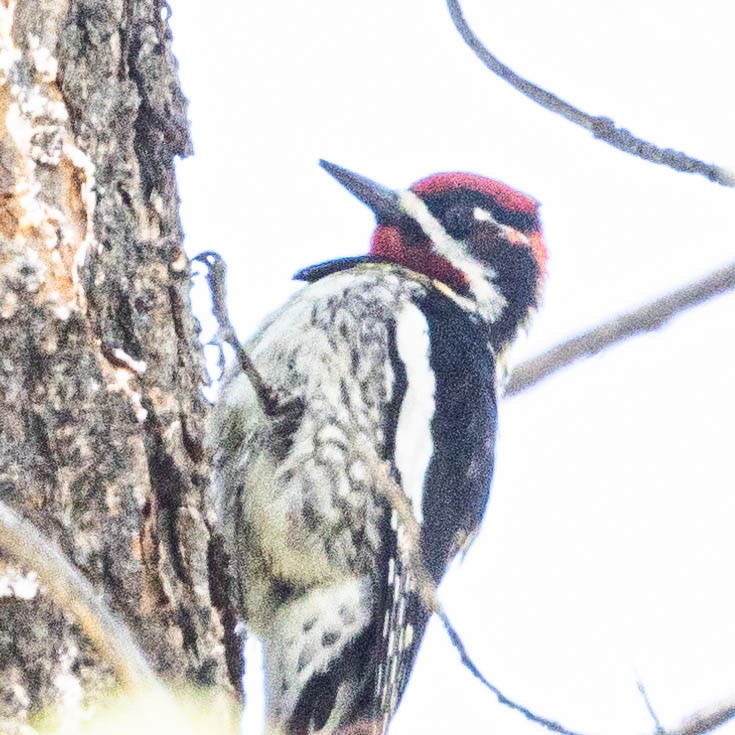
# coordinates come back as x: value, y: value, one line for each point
x: 366, y: 291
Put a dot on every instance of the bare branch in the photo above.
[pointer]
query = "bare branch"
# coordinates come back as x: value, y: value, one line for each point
x: 21, y: 540
x: 550, y: 725
x: 705, y: 720
x: 601, y: 127
x: 648, y: 317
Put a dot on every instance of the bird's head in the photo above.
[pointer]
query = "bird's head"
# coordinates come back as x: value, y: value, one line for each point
x: 475, y: 235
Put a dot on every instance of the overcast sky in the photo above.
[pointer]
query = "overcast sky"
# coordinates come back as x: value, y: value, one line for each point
x: 606, y: 555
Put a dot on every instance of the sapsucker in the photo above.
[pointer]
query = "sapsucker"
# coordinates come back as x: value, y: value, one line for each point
x: 394, y: 360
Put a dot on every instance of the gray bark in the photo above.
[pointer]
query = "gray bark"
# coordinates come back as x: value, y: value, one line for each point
x: 101, y: 427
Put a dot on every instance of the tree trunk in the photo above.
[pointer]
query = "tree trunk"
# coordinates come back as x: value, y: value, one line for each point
x: 101, y: 427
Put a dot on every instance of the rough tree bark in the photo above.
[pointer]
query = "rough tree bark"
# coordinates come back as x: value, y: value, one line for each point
x: 100, y: 367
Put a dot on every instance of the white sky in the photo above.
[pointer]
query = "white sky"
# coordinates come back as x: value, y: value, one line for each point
x: 607, y: 551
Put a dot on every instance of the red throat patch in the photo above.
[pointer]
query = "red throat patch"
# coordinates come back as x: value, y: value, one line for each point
x: 388, y: 243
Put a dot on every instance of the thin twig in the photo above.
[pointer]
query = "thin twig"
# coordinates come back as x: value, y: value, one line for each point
x: 21, y: 540
x: 652, y: 712
x: 399, y: 503
x: 601, y: 127
x: 648, y: 317
x: 216, y: 277
x: 550, y: 725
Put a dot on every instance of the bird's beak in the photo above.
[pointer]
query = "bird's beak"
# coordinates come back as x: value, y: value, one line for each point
x: 382, y: 201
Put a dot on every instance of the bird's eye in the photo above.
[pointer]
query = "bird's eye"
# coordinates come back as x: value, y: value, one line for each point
x: 457, y: 220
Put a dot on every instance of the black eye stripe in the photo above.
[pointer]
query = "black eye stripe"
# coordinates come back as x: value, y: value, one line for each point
x: 448, y: 202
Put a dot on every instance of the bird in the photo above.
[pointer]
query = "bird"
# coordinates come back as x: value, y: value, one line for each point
x: 390, y: 364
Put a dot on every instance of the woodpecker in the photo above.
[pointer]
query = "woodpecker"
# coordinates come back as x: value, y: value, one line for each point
x: 395, y: 359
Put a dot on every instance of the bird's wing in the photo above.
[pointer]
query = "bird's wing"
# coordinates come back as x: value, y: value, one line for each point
x: 307, y: 528
x: 443, y: 460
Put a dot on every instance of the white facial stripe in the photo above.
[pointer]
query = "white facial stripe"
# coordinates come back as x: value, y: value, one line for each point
x: 482, y: 215
x: 414, y: 445
x: 511, y: 234
x: 490, y: 302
